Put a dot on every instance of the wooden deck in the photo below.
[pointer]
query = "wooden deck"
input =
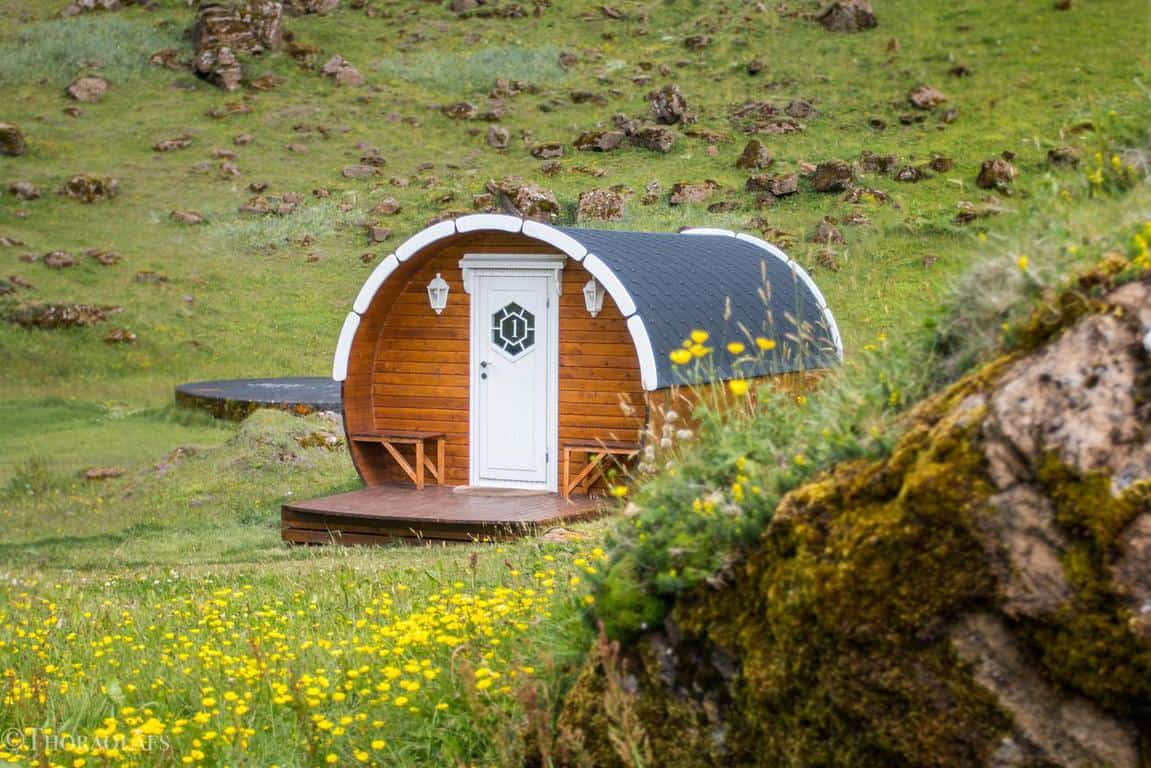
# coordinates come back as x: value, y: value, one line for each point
x: 387, y: 513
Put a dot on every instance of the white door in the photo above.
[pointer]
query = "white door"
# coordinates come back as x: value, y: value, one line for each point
x: 513, y: 336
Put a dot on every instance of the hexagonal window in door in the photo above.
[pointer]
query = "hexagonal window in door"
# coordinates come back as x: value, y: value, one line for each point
x: 513, y: 330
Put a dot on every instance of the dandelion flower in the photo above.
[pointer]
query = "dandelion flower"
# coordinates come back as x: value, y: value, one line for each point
x: 1022, y: 263
x: 738, y: 387
x: 680, y: 356
x: 765, y: 343
x: 619, y: 491
x: 735, y: 347
x: 699, y: 336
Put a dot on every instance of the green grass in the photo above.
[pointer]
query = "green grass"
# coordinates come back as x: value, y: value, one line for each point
x: 243, y: 300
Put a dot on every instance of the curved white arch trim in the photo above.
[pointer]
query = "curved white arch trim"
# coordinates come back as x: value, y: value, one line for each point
x: 611, y: 284
x: 424, y: 238
x: 497, y: 221
x: 801, y: 273
x: 368, y: 291
x: 648, y: 373
x: 552, y: 236
x: 708, y: 231
x: 344, y: 347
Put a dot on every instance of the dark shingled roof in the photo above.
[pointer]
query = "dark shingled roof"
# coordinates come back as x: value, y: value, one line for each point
x: 732, y: 288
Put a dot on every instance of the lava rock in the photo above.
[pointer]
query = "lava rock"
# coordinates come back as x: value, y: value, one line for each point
x: 656, y: 138
x: 90, y: 189
x: 88, y: 89
x: 600, y: 205
x: 498, y: 137
x: 848, y: 16
x: 668, y: 105
x: 12, y: 141
x: 524, y: 198
x: 926, y: 97
x: 685, y: 192
x: 599, y: 141
x: 755, y: 156
x: 997, y: 173
x: 23, y: 190
x: 832, y: 176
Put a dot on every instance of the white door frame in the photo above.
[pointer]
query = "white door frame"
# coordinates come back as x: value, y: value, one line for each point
x: 549, y: 266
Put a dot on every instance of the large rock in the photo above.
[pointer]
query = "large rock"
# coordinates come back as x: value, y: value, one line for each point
x: 12, y: 140
x: 996, y: 173
x: 51, y: 316
x: 848, y: 16
x: 524, y: 198
x: 222, y: 33
x: 832, y: 176
x: 90, y: 189
x: 668, y: 105
x: 342, y: 72
x: 979, y: 597
x: 88, y: 89
x: 655, y: 138
x: 755, y: 156
x: 600, y: 205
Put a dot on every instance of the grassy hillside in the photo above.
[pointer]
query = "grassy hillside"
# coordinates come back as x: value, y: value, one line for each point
x: 189, y: 534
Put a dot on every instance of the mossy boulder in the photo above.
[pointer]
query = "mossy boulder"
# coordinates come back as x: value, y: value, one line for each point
x: 982, y: 596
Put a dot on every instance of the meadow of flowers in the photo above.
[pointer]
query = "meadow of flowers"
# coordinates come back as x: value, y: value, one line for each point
x: 344, y: 665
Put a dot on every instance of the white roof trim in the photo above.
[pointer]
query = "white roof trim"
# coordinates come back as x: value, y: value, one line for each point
x: 497, y: 221
x: 381, y: 273
x: 708, y: 231
x: 552, y: 236
x: 649, y: 377
x: 801, y: 273
x: 344, y: 347
x: 612, y: 284
x: 425, y: 237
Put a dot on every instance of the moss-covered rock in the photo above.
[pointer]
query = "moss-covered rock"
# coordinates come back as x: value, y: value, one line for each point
x: 979, y: 597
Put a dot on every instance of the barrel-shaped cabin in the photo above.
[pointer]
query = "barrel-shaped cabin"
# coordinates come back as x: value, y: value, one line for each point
x: 514, y: 339
x: 495, y: 353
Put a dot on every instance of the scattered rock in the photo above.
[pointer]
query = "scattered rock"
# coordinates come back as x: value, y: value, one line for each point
x: 102, y: 257
x: 600, y: 205
x: 389, y: 206
x: 222, y: 32
x: 168, y: 58
x: 870, y: 162
x: 243, y: 139
x: 832, y: 176
x: 24, y: 190
x: 59, y: 260
x: 776, y: 186
x: 103, y: 473
x: 359, y: 171
x: 548, y: 151
x: 697, y: 42
x: 150, y: 277
x: 120, y: 336
x: 755, y: 156
x: 498, y: 137
x: 800, y: 109
x: 524, y: 198
x: 941, y: 164
x: 656, y: 138
x: 926, y: 97
x: 304, y: 7
x: 342, y: 72
x: 378, y: 234
x: 826, y: 232
x: 173, y: 144
x: 461, y: 110
x: 89, y: 189
x: 848, y: 16
x: 1063, y: 157
x: 187, y: 217
x: 755, y: 66
x: 668, y: 105
x: 960, y: 70
x: 911, y: 174
x: 997, y: 173
x: 599, y: 141
x: 651, y: 193
x: 51, y: 316
x: 12, y: 140
x: 685, y: 192
x: 321, y: 438
x: 968, y: 211
x: 828, y: 259
x: 88, y: 89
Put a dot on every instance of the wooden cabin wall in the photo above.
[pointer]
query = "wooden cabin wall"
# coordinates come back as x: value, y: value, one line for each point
x: 419, y: 378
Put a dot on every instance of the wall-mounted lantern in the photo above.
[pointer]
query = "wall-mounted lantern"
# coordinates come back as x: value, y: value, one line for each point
x: 593, y: 297
x: 438, y: 293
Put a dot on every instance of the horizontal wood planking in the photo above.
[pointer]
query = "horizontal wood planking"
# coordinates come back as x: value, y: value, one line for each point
x: 419, y: 376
